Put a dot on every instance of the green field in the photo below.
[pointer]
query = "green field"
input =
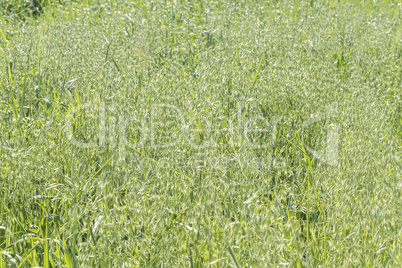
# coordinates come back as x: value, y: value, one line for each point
x: 183, y: 133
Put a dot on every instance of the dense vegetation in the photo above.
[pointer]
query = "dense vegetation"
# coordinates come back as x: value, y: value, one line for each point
x: 200, y: 133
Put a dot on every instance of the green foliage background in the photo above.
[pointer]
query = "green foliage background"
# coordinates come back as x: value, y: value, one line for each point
x: 222, y: 193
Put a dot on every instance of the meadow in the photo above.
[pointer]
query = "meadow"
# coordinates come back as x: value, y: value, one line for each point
x: 216, y: 133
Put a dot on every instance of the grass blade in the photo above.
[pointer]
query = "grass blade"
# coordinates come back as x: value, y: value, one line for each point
x: 257, y: 72
x: 232, y: 257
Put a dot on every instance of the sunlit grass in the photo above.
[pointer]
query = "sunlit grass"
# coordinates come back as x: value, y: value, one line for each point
x: 209, y: 133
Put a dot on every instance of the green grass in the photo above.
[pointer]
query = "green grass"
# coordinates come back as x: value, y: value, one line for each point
x: 201, y: 134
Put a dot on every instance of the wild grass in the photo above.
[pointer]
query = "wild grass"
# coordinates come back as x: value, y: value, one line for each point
x: 201, y: 133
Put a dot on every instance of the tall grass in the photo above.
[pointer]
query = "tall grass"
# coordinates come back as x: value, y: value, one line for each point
x: 201, y: 133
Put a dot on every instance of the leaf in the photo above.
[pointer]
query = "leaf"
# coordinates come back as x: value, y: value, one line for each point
x: 99, y: 171
x: 46, y: 263
x: 232, y: 256
x: 253, y: 198
x: 67, y: 259
x: 216, y: 261
x: 258, y: 70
